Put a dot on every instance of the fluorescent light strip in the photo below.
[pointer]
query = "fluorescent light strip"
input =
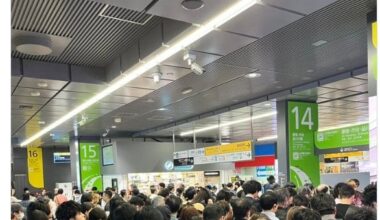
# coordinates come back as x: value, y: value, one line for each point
x: 137, y: 71
x: 267, y: 138
x: 212, y: 127
x: 342, y: 126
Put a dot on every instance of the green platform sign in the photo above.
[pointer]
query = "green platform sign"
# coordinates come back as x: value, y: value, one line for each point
x: 90, y: 170
x: 350, y: 138
x: 302, y: 123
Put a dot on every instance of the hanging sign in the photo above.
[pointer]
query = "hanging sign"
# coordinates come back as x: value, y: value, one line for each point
x: 35, y: 167
x: 302, y: 123
x: 89, y: 154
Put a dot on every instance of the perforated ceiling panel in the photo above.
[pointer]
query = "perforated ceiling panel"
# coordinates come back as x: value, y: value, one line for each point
x: 95, y: 40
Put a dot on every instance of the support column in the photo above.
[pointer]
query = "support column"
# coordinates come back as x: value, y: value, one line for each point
x: 282, y: 143
x: 74, y: 161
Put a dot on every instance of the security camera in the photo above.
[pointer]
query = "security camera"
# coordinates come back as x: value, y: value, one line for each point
x: 197, y: 69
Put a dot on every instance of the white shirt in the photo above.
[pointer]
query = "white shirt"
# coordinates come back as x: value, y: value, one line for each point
x: 270, y: 215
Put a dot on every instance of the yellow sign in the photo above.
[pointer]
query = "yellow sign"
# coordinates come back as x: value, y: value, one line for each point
x: 229, y: 148
x: 35, y: 167
x: 374, y: 34
x: 348, y: 154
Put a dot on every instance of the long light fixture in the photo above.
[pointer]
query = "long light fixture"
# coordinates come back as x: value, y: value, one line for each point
x: 267, y: 138
x: 153, y: 60
x: 227, y: 123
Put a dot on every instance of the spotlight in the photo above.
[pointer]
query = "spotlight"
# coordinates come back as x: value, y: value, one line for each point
x: 197, y: 69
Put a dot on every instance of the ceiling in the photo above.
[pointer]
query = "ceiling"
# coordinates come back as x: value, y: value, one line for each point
x: 274, y: 39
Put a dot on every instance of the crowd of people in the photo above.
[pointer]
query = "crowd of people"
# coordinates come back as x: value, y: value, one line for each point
x: 242, y: 200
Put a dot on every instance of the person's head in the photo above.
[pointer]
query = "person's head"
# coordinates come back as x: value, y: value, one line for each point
x: 94, y: 189
x: 95, y: 198
x: 114, y: 203
x: 41, y: 205
x: 292, y: 193
x: 213, y: 212
x: 306, y: 214
x: 237, y: 185
x: 251, y: 187
x: 26, y: 196
x: 86, y: 208
x: 107, y: 195
x: 292, y: 211
x: 153, y: 189
x: 241, y: 208
x: 370, y: 196
x: 188, y: 212
x: 354, y: 183
x: 356, y: 213
x: 77, y: 192
x: 259, y: 216
x: 123, y: 193
x: 165, y: 212
x: 346, y: 194
x: 223, y: 195
x: 300, y: 200
x: 60, y: 191
x: 97, y: 214
x: 161, y: 186
x: 137, y: 201
x: 150, y: 213
x: 164, y: 192
x: 174, y: 203
x: 170, y: 187
x: 229, y: 185
x: 283, y: 197
x: 202, y: 196
x: 17, y: 211
x: 323, y: 203
x: 336, y: 189
x: 228, y: 214
x: 69, y: 210
x: 322, y: 188
x: 158, y: 201
x: 37, y: 215
x: 135, y: 192
x: 271, y: 179
x: 190, y: 193
x: 124, y: 211
x: 86, y: 197
x: 268, y: 201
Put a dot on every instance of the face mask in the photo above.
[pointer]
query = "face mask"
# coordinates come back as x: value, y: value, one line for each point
x: 20, y: 216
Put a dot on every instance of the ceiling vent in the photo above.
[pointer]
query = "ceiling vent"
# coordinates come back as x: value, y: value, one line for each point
x: 125, y: 15
x: 25, y: 107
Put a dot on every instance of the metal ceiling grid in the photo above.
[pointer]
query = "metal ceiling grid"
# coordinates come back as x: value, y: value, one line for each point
x: 95, y: 40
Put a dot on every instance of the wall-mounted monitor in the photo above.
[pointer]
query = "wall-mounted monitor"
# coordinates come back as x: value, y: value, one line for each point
x: 107, y: 155
x: 61, y: 157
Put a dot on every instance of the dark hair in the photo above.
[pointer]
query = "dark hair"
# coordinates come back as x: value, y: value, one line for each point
x: 162, y: 185
x: 202, y: 196
x: 123, y: 192
x: 150, y: 213
x: 292, y: 191
x: 224, y: 205
x: 86, y: 197
x: 75, y: 187
x: 268, y: 200
x: 108, y: 193
x: 306, y: 214
x: 135, y: 191
x: 346, y: 191
x: 114, y: 203
x: 152, y: 189
x: 124, y: 211
x: 173, y: 203
x: 16, y: 207
x: 223, y: 195
x: 77, y: 191
x: 25, y: 196
x: 240, y: 208
x: 290, y: 185
x: 370, y: 195
x: 170, y: 186
x: 97, y: 214
x: 37, y: 215
x: 60, y: 191
x: 240, y: 194
x: 188, y: 212
x: 94, y: 188
x: 271, y: 177
x: 323, y: 203
x: 212, y: 212
x: 251, y: 187
x: 137, y: 201
x: 229, y: 185
x: 300, y: 200
x: 189, y: 193
x: 356, y: 213
x: 164, y: 192
x: 86, y: 206
x: 41, y: 205
x: 336, y: 189
x: 67, y: 210
x: 357, y: 182
x: 282, y: 196
x: 49, y: 194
